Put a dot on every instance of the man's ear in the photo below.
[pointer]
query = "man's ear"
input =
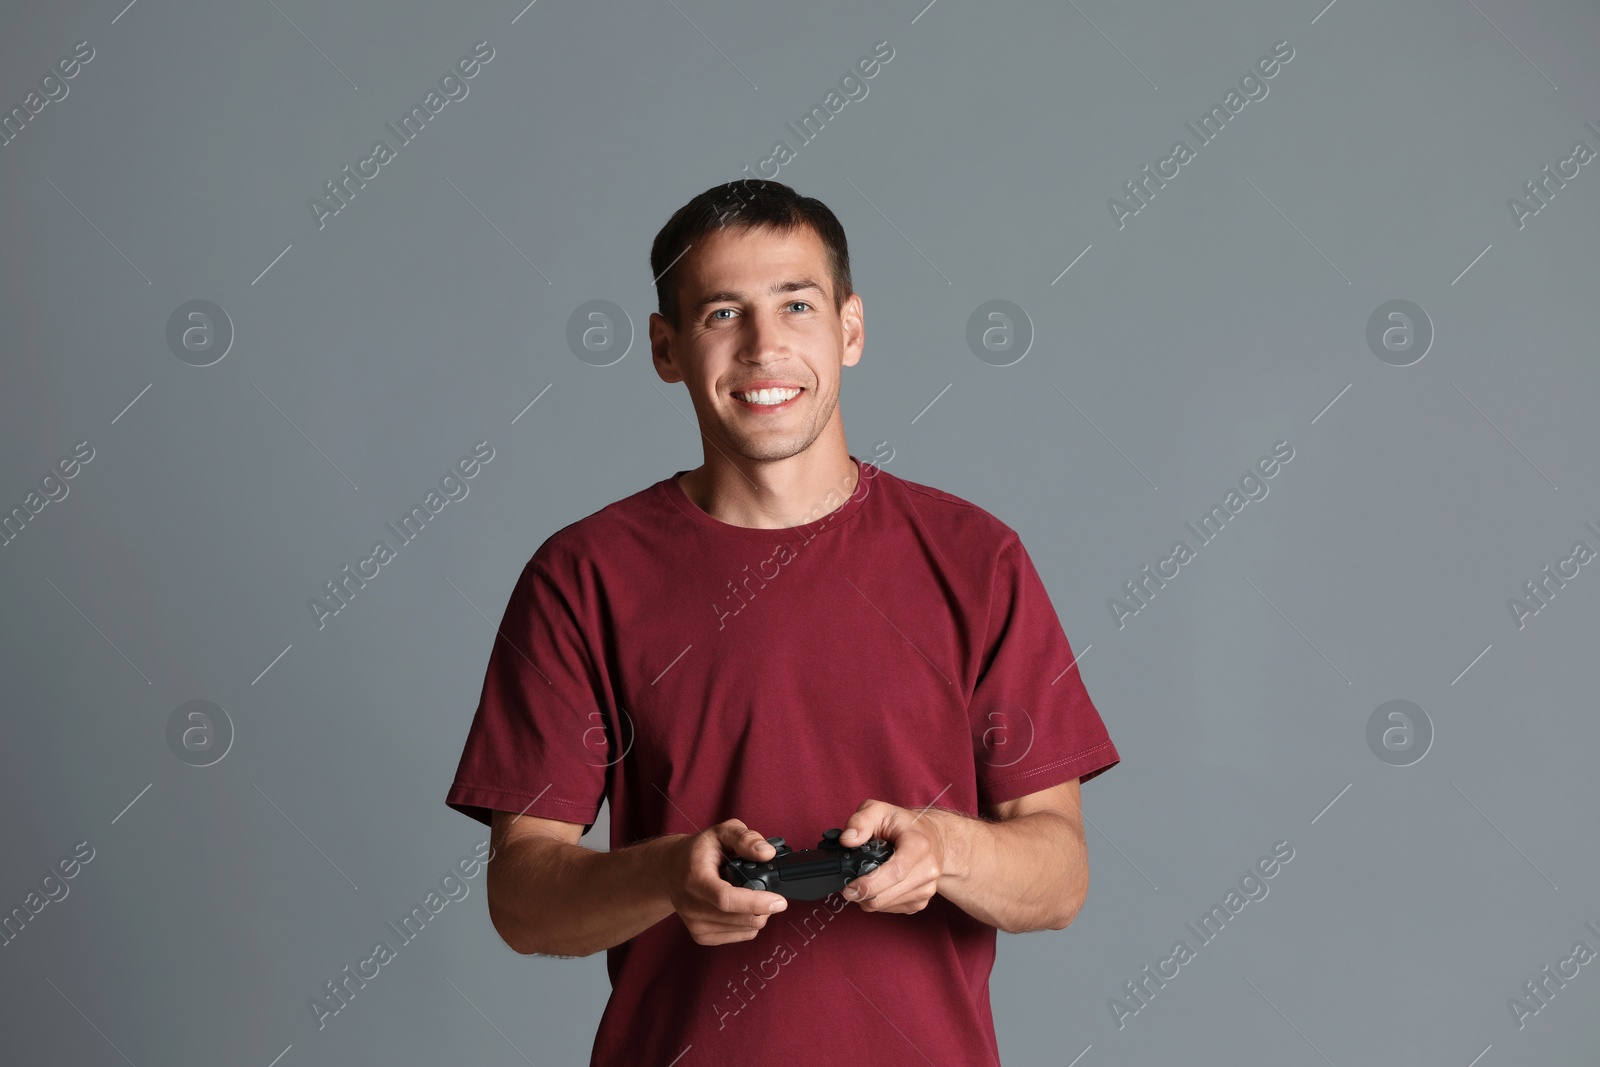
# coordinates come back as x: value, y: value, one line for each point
x: 661, y: 341
x: 853, y: 326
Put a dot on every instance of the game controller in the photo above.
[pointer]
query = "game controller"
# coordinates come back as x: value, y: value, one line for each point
x: 811, y: 874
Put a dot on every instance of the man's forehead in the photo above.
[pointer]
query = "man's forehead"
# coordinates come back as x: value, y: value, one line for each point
x: 730, y: 271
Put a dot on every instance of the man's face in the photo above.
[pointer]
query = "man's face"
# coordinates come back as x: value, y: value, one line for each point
x: 756, y: 310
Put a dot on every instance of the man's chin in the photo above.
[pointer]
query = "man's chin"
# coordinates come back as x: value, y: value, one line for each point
x: 766, y: 449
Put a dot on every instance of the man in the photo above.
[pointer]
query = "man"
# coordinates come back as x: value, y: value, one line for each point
x: 780, y: 641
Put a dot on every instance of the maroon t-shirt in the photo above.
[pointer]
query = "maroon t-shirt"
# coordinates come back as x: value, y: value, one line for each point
x: 899, y: 647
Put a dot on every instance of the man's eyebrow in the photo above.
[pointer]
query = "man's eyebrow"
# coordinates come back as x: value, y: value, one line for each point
x: 726, y: 295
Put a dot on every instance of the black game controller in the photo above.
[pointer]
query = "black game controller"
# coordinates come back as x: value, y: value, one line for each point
x: 808, y: 875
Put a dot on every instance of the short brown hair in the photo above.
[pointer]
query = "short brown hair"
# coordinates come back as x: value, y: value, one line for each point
x: 747, y: 204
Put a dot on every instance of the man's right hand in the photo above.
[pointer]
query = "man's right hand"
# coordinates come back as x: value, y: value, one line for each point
x: 715, y: 911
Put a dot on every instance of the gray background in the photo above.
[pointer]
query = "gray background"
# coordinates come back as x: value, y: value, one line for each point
x: 1226, y: 316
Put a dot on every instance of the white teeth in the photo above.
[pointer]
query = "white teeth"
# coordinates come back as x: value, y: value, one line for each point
x: 768, y: 396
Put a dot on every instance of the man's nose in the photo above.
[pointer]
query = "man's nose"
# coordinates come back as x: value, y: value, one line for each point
x: 764, y: 342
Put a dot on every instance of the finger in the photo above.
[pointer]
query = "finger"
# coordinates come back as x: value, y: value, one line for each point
x: 897, y: 902
x: 706, y: 882
x: 751, y: 845
x: 703, y: 920
x: 725, y: 939
x: 738, y: 838
x: 890, y: 896
x: 729, y: 899
x: 894, y: 869
x: 914, y: 876
x: 869, y: 820
x: 727, y: 826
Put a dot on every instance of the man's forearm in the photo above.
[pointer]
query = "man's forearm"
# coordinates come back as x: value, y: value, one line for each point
x: 556, y: 899
x: 1013, y: 874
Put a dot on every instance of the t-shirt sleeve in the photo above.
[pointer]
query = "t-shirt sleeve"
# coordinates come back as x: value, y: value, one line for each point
x: 538, y: 741
x: 1033, y: 723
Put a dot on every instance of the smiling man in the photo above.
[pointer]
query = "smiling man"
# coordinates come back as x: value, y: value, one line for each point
x: 878, y: 655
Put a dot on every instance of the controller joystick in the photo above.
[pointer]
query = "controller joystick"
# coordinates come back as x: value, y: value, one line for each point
x: 810, y: 874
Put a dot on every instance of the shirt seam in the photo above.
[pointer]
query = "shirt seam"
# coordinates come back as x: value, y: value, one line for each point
x: 464, y: 786
x: 1051, y: 766
x: 816, y: 528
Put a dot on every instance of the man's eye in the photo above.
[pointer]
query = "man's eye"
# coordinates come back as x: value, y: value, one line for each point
x: 719, y: 311
x: 799, y: 303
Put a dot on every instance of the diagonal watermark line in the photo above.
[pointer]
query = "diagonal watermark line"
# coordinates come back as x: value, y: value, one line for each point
x: 132, y: 402
x: 101, y: 232
x: 1102, y: 433
x: 1121, y: 853
x: 669, y: 266
x: 1513, y: 44
x: 124, y: 11
x: 302, y: 433
x: 503, y: 637
x: 530, y: 804
x: 131, y: 803
x: 680, y: 811
x: 932, y: 402
x: 99, y: 631
x: 1324, y: 11
x: 924, y: 810
x: 901, y: 632
x: 1307, y: 240
x: 1331, y: 803
x: 1074, y: 663
x: 1468, y: 667
x: 669, y: 666
x: 280, y: 1056
x: 1332, y: 402
x: 890, y: 1021
x: 1472, y: 264
x: 713, y: 44
x: 1501, y: 832
x: 310, y: 842
x: 1501, y: 432
x: 1479, y: 1056
x: 90, y: 1021
x: 274, y: 263
x: 1080, y: 1056
x: 1113, y: 44
x: 488, y: 1020
x: 732, y: 465
x: 686, y: 1049
x: 523, y: 12
x: 1074, y: 263
x: 313, y: 44
x: 532, y: 402
x: 924, y: 11
x: 1285, y: 1018
x: 898, y: 230
x: 271, y: 665
x: 497, y: 229
x: 1297, y: 630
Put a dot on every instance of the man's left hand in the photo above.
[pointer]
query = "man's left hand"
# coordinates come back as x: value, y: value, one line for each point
x: 908, y: 879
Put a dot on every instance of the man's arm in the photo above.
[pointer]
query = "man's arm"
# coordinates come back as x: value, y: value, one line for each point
x: 550, y: 895
x: 541, y: 878
x: 1025, y: 869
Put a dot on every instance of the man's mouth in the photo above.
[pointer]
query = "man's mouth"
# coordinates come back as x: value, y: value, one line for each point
x: 767, y: 398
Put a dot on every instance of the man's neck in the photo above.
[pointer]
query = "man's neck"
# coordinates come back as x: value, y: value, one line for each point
x: 775, y: 494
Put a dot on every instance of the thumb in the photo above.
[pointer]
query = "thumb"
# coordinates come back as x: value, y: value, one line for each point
x: 735, y: 836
